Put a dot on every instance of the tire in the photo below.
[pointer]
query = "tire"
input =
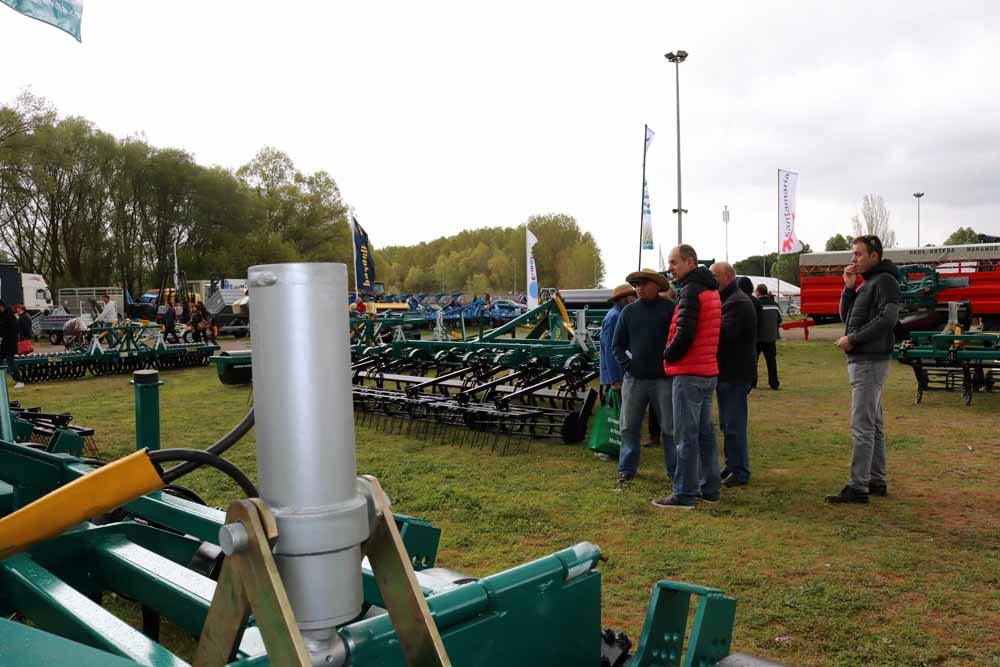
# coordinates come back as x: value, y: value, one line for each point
x: 55, y: 338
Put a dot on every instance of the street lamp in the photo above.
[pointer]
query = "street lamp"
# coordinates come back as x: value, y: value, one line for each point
x: 677, y: 58
x: 763, y: 259
x: 725, y: 221
x: 918, y: 195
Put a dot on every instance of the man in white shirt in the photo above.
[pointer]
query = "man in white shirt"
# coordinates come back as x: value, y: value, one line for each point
x: 108, y: 317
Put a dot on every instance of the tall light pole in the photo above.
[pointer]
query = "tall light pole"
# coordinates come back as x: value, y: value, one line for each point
x: 677, y: 58
x: 763, y: 259
x: 725, y: 222
x: 918, y: 195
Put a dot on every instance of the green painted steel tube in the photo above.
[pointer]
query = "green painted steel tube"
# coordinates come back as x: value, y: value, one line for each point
x: 147, y: 409
x: 6, y: 423
x: 58, y: 608
x: 558, y: 594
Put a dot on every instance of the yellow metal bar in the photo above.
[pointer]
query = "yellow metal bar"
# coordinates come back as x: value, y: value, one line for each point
x: 567, y: 324
x: 95, y: 493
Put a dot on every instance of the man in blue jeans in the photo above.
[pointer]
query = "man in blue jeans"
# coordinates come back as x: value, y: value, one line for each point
x: 737, y: 363
x: 639, y: 340
x: 690, y: 359
x: 869, y: 312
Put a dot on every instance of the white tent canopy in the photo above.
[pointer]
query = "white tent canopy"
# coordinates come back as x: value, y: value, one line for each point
x: 775, y: 286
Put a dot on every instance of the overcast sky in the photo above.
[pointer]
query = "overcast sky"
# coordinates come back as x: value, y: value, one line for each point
x: 435, y: 117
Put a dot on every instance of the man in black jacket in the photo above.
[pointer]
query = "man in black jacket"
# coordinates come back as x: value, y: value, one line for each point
x: 869, y: 312
x: 8, y: 342
x: 737, y: 358
x: 768, y: 321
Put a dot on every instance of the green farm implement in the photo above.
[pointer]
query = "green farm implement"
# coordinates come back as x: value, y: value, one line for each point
x: 940, y: 361
x: 312, y: 569
x: 133, y: 350
x: 485, y: 388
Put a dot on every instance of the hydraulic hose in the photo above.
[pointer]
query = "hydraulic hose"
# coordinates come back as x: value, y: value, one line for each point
x: 202, y: 457
x: 218, y: 447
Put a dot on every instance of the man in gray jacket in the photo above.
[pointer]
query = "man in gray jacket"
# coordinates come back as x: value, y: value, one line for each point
x: 869, y: 312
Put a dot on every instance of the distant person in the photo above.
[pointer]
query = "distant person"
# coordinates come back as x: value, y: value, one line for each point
x: 869, y: 313
x: 198, y: 322
x: 737, y: 357
x: 8, y: 343
x: 359, y: 306
x: 169, y: 323
x: 639, y: 340
x: 612, y: 373
x: 25, y: 330
x: 108, y: 318
x: 690, y: 361
x: 767, y: 335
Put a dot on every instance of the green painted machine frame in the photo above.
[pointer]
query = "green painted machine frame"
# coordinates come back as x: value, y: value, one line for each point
x: 161, y: 551
x: 130, y: 353
x: 964, y: 362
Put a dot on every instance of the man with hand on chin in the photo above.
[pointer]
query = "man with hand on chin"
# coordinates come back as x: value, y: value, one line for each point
x: 869, y: 313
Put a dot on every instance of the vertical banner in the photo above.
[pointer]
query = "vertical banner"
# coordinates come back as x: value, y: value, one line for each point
x: 530, y: 242
x: 663, y: 265
x: 787, y: 183
x: 647, y: 219
x: 364, y: 263
x: 63, y: 14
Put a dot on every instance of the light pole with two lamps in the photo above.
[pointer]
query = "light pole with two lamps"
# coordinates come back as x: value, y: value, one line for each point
x: 677, y: 58
x: 918, y: 195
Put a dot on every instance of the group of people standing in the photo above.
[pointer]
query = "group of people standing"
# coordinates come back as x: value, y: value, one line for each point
x: 675, y: 347
x: 15, y: 333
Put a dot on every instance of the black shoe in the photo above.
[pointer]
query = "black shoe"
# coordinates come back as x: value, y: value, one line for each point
x: 731, y: 481
x: 775, y: 388
x: 672, y: 503
x: 878, y: 489
x: 848, y: 494
x: 623, y: 479
x: 710, y: 498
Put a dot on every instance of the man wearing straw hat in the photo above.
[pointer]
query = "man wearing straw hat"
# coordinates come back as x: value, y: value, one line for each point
x: 639, y: 340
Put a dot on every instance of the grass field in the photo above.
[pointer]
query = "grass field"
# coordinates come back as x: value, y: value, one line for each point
x: 912, y: 579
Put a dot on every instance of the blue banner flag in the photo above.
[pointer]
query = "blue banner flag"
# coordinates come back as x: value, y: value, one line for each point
x: 364, y: 261
x: 63, y: 14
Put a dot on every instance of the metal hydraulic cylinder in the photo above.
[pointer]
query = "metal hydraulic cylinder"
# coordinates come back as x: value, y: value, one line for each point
x: 305, y: 438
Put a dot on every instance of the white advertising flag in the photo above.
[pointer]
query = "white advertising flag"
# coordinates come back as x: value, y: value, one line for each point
x: 647, y: 220
x: 787, y: 183
x: 649, y: 136
x: 530, y: 242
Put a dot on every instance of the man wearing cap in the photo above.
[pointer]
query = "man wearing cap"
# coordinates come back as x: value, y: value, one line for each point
x: 612, y: 373
x: 690, y: 360
x: 638, y: 345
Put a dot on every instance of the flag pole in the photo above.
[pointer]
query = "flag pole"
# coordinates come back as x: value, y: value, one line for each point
x: 777, y: 285
x: 354, y: 251
x: 642, y: 197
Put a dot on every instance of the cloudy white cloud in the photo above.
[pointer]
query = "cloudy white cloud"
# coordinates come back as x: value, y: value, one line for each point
x: 434, y: 117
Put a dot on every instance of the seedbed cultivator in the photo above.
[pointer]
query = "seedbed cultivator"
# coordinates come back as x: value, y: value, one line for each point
x: 131, y: 352
x: 484, y: 390
x: 948, y: 362
x: 316, y: 557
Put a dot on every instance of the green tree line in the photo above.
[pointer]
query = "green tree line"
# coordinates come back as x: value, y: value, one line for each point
x: 82, y: 207
x: 493, y: 259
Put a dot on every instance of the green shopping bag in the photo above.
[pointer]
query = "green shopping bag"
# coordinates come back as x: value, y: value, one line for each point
x: 606, y: 435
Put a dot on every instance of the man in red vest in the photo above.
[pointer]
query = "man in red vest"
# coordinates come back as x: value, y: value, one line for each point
x: 690, y: 359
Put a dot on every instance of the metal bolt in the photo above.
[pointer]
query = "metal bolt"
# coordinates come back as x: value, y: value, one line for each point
x: 233, y: 538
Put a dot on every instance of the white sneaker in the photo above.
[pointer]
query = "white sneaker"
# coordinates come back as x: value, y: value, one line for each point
x: 19, y: 385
